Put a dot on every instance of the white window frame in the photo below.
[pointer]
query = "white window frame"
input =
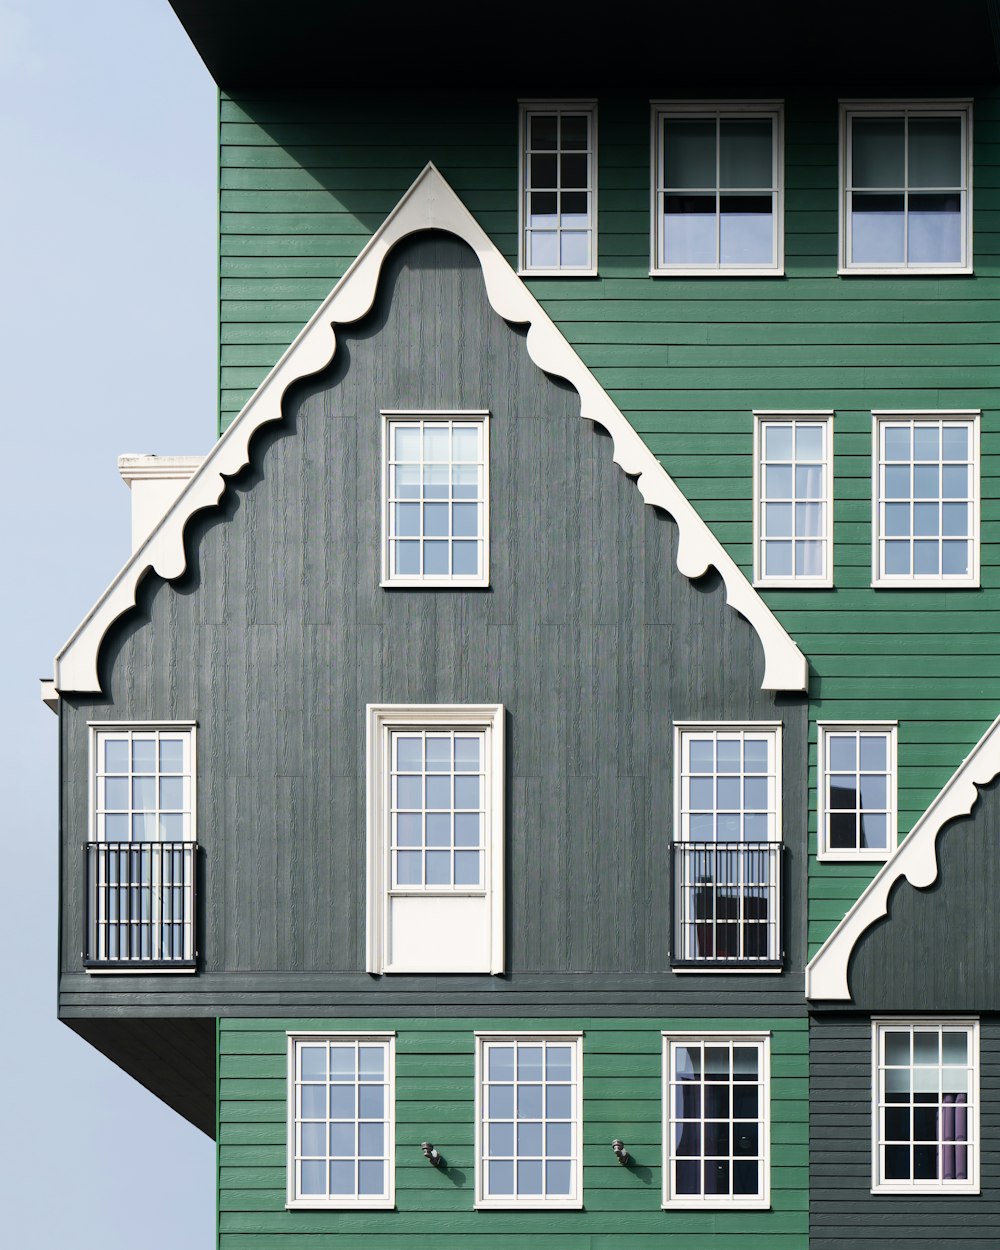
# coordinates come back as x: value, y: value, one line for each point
x: 970, y: 1186
x: 383, y: 720
x: 761, y: 418
x: 961, y: 416
x: 849, y: 109
x: 695, y: 729
x: 427, y: 416
x: 525, y: 109
x: 100, y: 729
x: 715, y: 1202
x: 359, y: 1202
x: 718, y: 109
x: 572, y: 1037
x: 824, y: 852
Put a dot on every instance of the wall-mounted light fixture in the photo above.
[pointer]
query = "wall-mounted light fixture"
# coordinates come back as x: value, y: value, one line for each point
x: 432, y: 1156
x: 621, y: 1154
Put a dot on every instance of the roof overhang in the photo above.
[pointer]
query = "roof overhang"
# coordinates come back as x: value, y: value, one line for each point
x: 874, y: 47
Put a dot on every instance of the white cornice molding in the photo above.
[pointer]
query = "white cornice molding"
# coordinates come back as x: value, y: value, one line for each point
x: 915, y: 859
x: 429, y: 204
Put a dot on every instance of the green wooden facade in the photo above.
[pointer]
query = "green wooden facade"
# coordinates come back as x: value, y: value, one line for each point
x: 434, y: 1099
x: 306, y: 178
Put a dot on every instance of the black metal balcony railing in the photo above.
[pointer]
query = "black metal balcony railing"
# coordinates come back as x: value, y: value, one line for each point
x: 140, y: 904
x: 727, y: 903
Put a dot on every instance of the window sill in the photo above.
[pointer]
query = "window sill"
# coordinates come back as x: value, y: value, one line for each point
x: 141, y: 970
x: 853, y: 857
x: 435, y: 583
x: 376, y: 1204
x: 696, y: 271
x: 935, y: 1190
x: 793, y: 583
x: 767, y: 967
x: 926, y: 583
x: 557, y: 273
x: 735, y: 1204
x: 901, y: 271
x: 545, y: 1204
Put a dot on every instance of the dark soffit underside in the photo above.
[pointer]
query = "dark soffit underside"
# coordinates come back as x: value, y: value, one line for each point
x: 875, y: 47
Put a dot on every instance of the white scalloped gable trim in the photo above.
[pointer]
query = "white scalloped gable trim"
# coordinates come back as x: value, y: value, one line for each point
x: 915, y: 859
x: 429, y: 204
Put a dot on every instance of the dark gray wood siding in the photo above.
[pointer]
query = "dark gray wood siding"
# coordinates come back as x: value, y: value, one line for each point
x: 939, y: 949
x: 279, y: 634
x: 843, y: 1213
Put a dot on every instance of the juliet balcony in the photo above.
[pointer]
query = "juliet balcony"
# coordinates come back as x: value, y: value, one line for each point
x: 140, y: 912
x: 727, y: 905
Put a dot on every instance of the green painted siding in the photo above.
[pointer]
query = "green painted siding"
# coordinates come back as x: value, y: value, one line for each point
x: 434, y: 1100
x: 305, y: 179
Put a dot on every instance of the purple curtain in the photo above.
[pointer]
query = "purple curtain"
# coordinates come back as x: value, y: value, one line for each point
x: 955, y: 1137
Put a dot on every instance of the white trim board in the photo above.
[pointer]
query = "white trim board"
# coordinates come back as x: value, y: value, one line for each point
x: 915, y: 859
x: 429, y: 204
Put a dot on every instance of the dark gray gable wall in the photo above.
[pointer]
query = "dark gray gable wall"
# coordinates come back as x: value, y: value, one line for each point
x: 279, y: 635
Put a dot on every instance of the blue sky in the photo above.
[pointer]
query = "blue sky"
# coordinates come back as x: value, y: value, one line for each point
x: 108, y: 342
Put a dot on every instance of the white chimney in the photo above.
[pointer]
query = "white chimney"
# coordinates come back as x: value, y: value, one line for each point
x: 155, y: 482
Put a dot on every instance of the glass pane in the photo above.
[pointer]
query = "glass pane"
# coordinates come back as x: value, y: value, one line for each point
x: 438, y: 753
x: 574, y: 249
x: 926, y: 559
x: 438, y: 791
x: 543, y: 172
x: 702, y: 752
x: 935, y: 230
x: 501, y: 1139
x: 897, y: 558
x: 778, y: 442
x: 467, y: 754
x: 809, y: 519
x: 955, y: 1045
x: 371, y: 1101
x: 897, y: 441
x: 144, y: 755
x: 897, y: 1046
x: 501, y: 1063
x: 573, y: 130
x: 897, y: 520
x: 755, y: 755
x: 843, y: 831
x: 843, y: 791
x: 171, y: 755
x: 843, y: 752
x: 467, y: 868
x: 371, y: 1176
x: 501, y: 1177
x: 926, y: 1046
x: 529, y: 1101
x: 543, y: 250
x: 926, y: 521
x: 558, y: 1102
x: 371, y: 1139
x: 874, y: 793
x: 935, y: 153
x: 543, y: 210
x: 116, y: 793
x: 438, y: 867
x: 465, y: 558
x: 465, y: 520
x: 745, y: 153
x: 406, y: 443
x: 529, y: 1176
x: 874, y: 832
x: 439, y: 829
x: 342, y: 1104
x: 877, y: 147
x: 312, y: 1102
x: 573, y: 170
x: 689, y: 227
x: 529, y: 1138
x: 313, y: 1139
x: 955, y: 442
x: 407, y: 558
x: 809, y: 442
x: 778, y: 482
x: 559, y: 1063
x: 778, y: 520
x: 313, y: 1178
x: 467, y: 829
x: 501, y: 1102
x: 877, y: 229
x: 371, y: 1060
x: 746, y: 230
x: 409, y: 868
x: 728, y: 755
x: 542, y: 130
x: 529, y: 1063
x: 342, y: 1140
x: 689, y: 153
x: 312, y: 1063
x: 558, y: 1177
x: 809, y: 481
x: 116, y: 756
x: 172, y: 793
x: 874, y: 752
x: 955, y: 558
x: 406, y: 517
x: 778, y: 559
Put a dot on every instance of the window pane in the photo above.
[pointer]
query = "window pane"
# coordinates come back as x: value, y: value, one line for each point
x: 877, y: 229
x: 934, y: 228
x: 745, y: 153
x: 689, y: 154
x: 877, y: 152
x: 689, y: 230
x: 935, y: 152
x: 746, y: 230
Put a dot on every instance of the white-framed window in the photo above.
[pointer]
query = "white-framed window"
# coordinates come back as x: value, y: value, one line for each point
x: 435, y: 498
x: 341, y: 1116
x: 857, y: 790
x: 141, y: 855
x: 925, y: 499
x: 435, y: 837
x: 529, y: 1119
x: 727, y: 844
x: 793, y: 498
x: 717, y: 188
x: 906, y: 187
x: 716, y: 1120
x: 142, y: 781
x: 925, y: 1118
x: 557, y: 201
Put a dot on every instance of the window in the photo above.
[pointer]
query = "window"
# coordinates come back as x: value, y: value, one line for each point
x: 925, y: 492
x: 727, y: 847
x: 435, y: 501
x: 435, y: 838
x: 717, y: 196
x: 925, y: 1122
x: 793, y: 499
x: 529, y: 1117
x: 716, y: 1120
x: 857, y: 790
x: 906, y: 188
x: 340, y: 1119
x: 558, y: 193
x: 141, y: 857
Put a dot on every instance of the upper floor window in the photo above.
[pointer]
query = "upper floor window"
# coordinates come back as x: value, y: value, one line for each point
x: 793, y: 499
x: 340, y: 1120
x: 925, y: 497
x: 435, y: 499
x: 906, y: 187
x: 716, y: 1117
x: 925, y: 1131
x: 529, y: 1120
x: 435, y: 838
x: 558, y: 192
x: 727, y: 847
x: 717, y: 188
x: 857, y: 790
x: 141, y: 858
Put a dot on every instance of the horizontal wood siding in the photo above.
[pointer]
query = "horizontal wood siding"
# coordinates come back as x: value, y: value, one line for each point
x: 434, y: 1101
x: 305, y: 180
x: 843, y: 1212
x: 279, y: 635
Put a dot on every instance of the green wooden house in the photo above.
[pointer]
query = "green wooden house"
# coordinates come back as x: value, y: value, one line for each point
x: 496, y: 764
